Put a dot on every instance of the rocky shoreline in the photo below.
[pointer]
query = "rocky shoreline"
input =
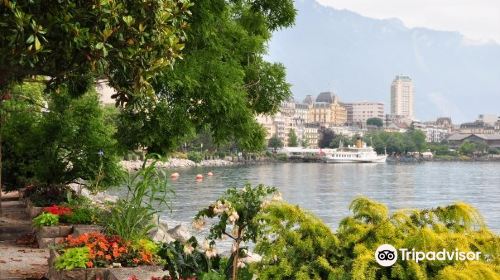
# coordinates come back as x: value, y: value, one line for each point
x: 132, y: 165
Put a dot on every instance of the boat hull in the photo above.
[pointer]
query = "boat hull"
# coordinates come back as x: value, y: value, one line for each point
x: 378, y: 159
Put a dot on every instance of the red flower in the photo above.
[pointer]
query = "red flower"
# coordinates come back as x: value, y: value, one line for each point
x: 58, y: 210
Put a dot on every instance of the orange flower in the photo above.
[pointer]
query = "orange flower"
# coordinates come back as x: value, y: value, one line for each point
x: 100, y: 253
x: 107, y: 257
x: 90, y: 264
x: 135, y: 260
x: 116, y: 254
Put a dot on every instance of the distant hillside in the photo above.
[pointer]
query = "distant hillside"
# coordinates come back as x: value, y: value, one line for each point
x: 357, y: 57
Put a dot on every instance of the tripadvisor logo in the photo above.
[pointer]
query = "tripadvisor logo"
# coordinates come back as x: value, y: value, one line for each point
x: 387, y: 255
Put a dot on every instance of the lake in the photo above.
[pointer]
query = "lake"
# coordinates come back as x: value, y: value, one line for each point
x: 328, y: 189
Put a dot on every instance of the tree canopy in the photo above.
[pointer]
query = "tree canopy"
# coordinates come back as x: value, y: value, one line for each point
x: 378, y: 122
x: 293, y: 140
x: 74, y: 42
x: 222, y: 82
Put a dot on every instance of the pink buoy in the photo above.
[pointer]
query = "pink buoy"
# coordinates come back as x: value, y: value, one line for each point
x: 210, y: 174
x: 199, y: 177
x: 174, y: 175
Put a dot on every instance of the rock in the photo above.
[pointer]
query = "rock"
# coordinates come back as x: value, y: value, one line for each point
x: 180, y: 233
x: 81, y: 229
x: 160, y: 235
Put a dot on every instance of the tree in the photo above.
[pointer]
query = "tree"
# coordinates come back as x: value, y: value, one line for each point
x: 221, y: 83
x: 337, y: 139
x: 236, y: 212
x: 304, y: 143
x: 326, y: 137
x: 73, y: 42
x: 467, y: 148
x: 292, y: 138
x: 275, y: 142
x: 66, y: 141
x: 378, y: 122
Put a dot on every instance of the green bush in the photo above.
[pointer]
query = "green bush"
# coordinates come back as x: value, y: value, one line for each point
x: 82, y: 216
x: 282, y: 157
x: 46, y: 219
x: 296, y: 245
x: 195, y: 156
x: 73, y: 258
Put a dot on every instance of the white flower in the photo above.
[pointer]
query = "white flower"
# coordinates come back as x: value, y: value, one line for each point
x: 265, y: 203
x: 188, y: 249
x: 221, y: 207
x: 233, y: 217
x: 211, y: 252
x: 198, y: 224
x: 241, y: 264
x: 277, y: 197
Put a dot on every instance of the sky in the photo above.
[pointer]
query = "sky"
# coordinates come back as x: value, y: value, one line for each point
x: 477, y: 20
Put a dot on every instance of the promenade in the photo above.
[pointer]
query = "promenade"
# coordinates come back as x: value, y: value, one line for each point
x: 18, y: 259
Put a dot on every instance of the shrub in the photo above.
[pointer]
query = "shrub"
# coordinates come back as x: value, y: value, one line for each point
x: 187, y: 260
x: 73, y: 258
x: 296, y: 245
x: 147, y: 192
x: 236, y: 212
x: 105, y: 250
x: 46, y: 219
x: 83, y: 216
x: 282, y: 157
x: 46, y: 195
x: 195, y: 156
x: 301, y: 247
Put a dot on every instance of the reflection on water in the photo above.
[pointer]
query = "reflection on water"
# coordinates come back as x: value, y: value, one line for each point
x: 328, y: 189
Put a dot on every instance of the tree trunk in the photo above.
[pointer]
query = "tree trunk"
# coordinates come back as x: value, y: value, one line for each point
x: 1, y: 123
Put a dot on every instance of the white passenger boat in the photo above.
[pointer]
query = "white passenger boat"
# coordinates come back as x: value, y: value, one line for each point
x: 360, y: 153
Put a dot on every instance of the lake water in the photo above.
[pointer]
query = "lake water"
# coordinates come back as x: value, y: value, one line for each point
x: 328, y: 189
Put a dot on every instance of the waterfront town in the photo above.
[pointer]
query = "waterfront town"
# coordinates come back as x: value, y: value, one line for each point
x: 133, y: 140
x: 327, y: 110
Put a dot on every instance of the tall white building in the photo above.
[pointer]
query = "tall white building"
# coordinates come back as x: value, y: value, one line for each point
x: 402, y: 97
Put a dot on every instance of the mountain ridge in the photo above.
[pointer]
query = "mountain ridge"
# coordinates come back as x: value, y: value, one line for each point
x: 357, y: 57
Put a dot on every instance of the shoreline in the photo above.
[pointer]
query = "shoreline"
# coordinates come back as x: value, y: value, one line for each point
x: 174, y: 163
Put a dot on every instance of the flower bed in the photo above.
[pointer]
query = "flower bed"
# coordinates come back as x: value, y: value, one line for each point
x: 50, y: 232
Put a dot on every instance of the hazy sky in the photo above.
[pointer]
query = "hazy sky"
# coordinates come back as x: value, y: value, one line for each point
x: 478, y: 20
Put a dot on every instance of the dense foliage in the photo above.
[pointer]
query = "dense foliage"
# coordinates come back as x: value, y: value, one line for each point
x: 104, y: 250
x: 298, y: 246
x: 399, y: 143
x: 378, y: 122
x: 221, y: 83
x: 293, y: 140
x: 275, y: 142
x: 74, y: 42
x: 65, y: 141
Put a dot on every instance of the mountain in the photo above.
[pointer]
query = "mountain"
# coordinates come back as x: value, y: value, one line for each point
x: 357, y: 57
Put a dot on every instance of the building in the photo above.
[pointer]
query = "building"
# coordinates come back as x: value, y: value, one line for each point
x: 477, y: 127
x: 311, y: 135
x: 326, y: 110
x: 433, y: 133
x: 492, y: 140
x: 359, y: 112
x: 488, y: 119
x: 402, y: 92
